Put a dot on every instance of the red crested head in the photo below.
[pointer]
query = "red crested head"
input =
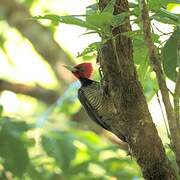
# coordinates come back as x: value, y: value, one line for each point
x: 83, y: 70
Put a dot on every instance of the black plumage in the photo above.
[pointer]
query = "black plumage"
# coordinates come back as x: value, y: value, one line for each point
x: 97, y: 104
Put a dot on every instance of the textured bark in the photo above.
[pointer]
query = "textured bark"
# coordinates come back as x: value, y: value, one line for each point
x: 155, y: 60
x: 133, y: 117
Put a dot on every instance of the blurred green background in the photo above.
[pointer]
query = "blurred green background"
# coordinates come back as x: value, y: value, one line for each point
x: 44, y: 133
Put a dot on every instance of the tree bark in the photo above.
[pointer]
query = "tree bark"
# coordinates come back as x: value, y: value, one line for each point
x: 133, y: 118
x: 155, y: 60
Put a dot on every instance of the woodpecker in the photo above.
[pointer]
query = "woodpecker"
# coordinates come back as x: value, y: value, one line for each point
x: 96, y: 103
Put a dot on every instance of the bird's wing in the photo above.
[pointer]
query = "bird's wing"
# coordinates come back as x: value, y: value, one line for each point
x: 93, y: 114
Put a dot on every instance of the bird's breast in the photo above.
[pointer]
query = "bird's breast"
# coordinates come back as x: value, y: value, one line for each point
x: 98, y: 100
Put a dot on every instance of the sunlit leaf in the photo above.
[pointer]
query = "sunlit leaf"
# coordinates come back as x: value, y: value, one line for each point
x: 174, y: 1
x: 59, y: 145
x: 92, y: 9
x: 170, y: 15
x: 150, y: 85
x: 99, y: 19
x: 156, y: 5
x: 119, y: 19
x: 132, y: 4
x: 170, y: 55
x: 14, y: 127
x: 13, y: 150
x: 78, y: 168
x: 171, y: 6
x: 167, y: 17
x: 91, y: 48
x: 141, y: 59
x: 110, y: 7
x: 91, y: 139
x: 68, y: 20
x: 119, y: 167
x: 1, y: 110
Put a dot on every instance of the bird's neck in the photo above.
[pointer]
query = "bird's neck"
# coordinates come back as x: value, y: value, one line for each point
x: 85, y: 81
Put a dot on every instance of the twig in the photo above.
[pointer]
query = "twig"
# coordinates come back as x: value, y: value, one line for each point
x: 177, y: 91
x: 164, y: 119
x: 156, y: 63
x: 38, y: 92
x: 162, y: 33
x: 176, y: 99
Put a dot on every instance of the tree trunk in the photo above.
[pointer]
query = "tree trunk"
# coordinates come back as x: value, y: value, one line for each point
x: 133, y: 118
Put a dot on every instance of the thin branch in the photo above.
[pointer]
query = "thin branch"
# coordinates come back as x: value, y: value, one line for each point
x: 176, y: 99
x: 164, y: 119
x: 177, y: 91
x: 38, y: 92
x: 162, y: 33
x: 155, y: 60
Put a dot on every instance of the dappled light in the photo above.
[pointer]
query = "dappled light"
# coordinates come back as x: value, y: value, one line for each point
x: 44, y: 131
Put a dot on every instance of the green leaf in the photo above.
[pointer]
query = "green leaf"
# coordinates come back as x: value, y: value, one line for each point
x: 171, y: 6
x: 164, y: 20
x: 14, y: 127
x: 1, y: 110
x: 110, y: 7
x: 91, y: 139
x: 150, y: 85
x: 91, y: 48
x: 68, y: 20
x: 170, y: 15
x: 143, y: 68
x: 13, y: 149
x: 156, y: 5
x: 80, y: 167
x: 138, y: 34
x: 174, y: 1
x: 167, y: 17
x: 118, y: 19
x: 99, y: 19
x: 132, y: 5
x: 119, y: 168
x: 59, y: 145
x: 102, y: 20
x: 92, y: 9
x: 93, y: 6
x: 170, y: 55
x: 14, y: 154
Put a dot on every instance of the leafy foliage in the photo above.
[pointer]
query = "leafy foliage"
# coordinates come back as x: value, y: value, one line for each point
x: 170, y: 55
x: 44, y: 151
x: 13, y: 146
x: 68, y: 154
x: 59, y: 145
x: 103, y: 23
x: 95, y: 20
